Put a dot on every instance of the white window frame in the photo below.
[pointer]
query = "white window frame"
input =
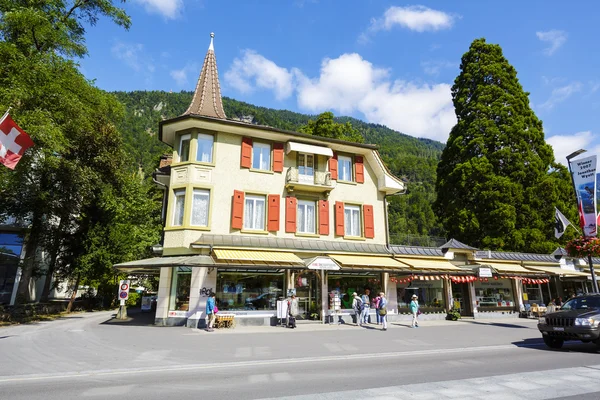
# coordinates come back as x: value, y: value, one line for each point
x: 179, y: 195
x: 200, y: 193
x: 348, y: 175
x: 255, y: 199
x: 262, y: 147
x: 306, y: 204
x: 205, y: 138
x: 183, y: 139
x: 349, y: 228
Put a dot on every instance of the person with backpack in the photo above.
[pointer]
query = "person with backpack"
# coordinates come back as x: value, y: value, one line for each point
x: 383, y: 310
x: 357, y: 306
x: 364, y: 315
x: 376, y: 308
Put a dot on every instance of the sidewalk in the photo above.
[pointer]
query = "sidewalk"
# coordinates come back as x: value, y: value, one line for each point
x: 318, y: 327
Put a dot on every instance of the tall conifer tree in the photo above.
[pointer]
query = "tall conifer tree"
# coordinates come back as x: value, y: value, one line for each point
x: 497, y: 182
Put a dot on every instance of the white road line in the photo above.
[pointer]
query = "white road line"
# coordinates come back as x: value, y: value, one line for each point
x: 255, y: 363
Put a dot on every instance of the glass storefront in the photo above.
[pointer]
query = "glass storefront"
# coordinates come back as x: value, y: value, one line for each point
x: 238, y: 291
x: 533, y: 293
x: 180, y: 289
x: 494, y: 294
x: 345, y: 285
x: 430, y: 295
x: 10, y: 251
x: 308, y: 292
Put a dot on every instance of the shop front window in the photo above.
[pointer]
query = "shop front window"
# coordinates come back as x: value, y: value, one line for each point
x: 238, y: 291
x: 180, y: 289
x: 494, y: 294
x: 345, y: 285
x: 533, y: 293
x: 10, y: 251
x: 430, y: 295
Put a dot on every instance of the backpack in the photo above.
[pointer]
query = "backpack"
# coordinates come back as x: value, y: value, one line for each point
x: 359, y: 304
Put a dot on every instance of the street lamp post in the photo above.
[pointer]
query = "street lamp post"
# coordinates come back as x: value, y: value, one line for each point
x: 569, y: 157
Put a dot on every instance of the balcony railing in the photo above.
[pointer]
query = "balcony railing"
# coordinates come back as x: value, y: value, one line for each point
x: 320, y: 181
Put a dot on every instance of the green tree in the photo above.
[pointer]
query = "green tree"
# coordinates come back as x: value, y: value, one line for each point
x: 325, y: 126
x: 497, y: 181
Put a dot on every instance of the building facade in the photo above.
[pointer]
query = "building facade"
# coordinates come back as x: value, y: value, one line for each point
x: 254, y: 213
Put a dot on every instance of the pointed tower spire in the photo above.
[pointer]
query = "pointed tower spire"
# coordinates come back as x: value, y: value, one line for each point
x: 207, y: 97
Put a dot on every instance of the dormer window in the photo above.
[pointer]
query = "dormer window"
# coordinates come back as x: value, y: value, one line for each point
x: 184, y: 148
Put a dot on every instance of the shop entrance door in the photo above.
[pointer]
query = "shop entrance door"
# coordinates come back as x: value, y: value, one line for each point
x: 308, y: 293
x: 461, y: 299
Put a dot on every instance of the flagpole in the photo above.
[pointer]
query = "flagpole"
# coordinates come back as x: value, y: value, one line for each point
x: 5, y: 114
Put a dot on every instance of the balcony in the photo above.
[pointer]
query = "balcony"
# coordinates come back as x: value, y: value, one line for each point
x: 318, y: 181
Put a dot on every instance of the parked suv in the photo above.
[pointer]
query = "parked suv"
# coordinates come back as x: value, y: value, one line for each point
x: 578, y: 319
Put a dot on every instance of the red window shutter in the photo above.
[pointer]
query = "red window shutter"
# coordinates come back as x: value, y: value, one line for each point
x: 246, y: 161
x: 333, y: 167
x: 323, y: 217
x: 273, y: 224
x: 339, y: 218
x: 237, y: 210
x: 359, y: 169
x: 278, y: 157
x: 369, y: 222
x: 291, y: 209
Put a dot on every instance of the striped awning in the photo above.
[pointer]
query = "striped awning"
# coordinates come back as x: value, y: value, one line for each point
x: 369, y: 261
x: 557, y: 271
x: 257, y: 256
x: 428, y: 264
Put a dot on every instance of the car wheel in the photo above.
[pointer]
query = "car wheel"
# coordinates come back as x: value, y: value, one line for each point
x: 553, y: 343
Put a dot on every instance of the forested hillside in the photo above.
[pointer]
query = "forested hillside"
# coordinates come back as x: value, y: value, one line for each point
x: 414, y: 160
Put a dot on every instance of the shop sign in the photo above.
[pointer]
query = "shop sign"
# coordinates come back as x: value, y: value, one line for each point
x: 481, y: 254
x: 146, y: 303
x: 324, y: 264
x: 178, y: 314
x: 485, y: 272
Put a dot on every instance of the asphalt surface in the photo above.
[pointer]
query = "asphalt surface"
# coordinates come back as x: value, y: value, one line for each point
x: 92, y: 356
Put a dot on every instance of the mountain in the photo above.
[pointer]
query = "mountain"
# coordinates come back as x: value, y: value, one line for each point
x: 415, y: 160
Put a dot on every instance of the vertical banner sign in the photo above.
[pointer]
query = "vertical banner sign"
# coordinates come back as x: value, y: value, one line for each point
x: 123, y: 290
x: 584, y: 180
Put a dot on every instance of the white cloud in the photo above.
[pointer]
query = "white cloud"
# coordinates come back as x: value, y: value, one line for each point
x: 564, y: 145
x: 182, y: 76
x: 554, y: 38
x: 435, y: 67
x: 561, y: 94
x: 133, y: 55
x: 415, y: 18
x: 253, y: 71
x: 349, y: 83
x: 168, y: 8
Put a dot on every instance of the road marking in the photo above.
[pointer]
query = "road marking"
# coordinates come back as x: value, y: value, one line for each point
x: 258, y: 363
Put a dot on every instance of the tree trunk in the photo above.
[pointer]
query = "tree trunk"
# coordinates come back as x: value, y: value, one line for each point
x: 74, y: 295
x: 52, y: 264
x: 31, y: 247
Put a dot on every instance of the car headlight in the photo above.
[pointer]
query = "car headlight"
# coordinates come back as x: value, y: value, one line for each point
x: 587, y: 322
x: 542, y: 320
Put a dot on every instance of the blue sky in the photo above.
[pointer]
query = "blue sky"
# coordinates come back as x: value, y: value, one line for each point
x: 386, y: 62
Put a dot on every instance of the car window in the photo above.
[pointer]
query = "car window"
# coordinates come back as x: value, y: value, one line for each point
x: 582, y: 303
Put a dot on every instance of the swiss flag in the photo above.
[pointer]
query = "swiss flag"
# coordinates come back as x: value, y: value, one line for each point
x: 13, y: 142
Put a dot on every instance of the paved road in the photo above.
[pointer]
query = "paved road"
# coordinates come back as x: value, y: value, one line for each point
x: 87, y: 356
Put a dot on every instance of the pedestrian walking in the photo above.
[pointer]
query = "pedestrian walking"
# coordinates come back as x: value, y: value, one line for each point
x: 376, y: 308
x: 414, y: 309
x: 383, y: 310
x: 364, y: 316
x: 357, y: 306
x: 292, y: 311
x: 210, y: 312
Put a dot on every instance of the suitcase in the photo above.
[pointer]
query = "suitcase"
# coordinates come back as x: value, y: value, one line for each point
x: 291, y: 322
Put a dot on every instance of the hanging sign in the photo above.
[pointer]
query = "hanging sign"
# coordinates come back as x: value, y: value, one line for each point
x: 485, y: 272
x: 584, y: 180
x: 324, y: 264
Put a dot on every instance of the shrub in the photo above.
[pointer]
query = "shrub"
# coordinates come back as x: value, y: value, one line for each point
x: 133, y: 300
x: 453, y: 315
